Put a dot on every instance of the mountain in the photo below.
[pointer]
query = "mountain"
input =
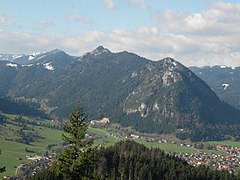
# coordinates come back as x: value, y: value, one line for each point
x: 20, y: 58
x: 152, y: 96
x: 11, y: 57
x: 224, y: 81
x: 50, y: 60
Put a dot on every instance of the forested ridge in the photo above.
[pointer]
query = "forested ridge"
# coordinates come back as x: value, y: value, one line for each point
x: 130, y: 160
x: 11, y: 106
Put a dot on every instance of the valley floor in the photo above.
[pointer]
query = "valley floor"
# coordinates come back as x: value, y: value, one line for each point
x: 215, y: 154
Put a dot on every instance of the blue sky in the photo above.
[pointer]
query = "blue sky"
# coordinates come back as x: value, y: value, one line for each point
x: 199, y: 32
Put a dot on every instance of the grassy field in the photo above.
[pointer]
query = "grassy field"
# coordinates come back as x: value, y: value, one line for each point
x: 167, y: 147
x: 13, y: 153
x: 226, y: 143
x: 107, y: 139
x: 51, y: 136
x: 209, y: 151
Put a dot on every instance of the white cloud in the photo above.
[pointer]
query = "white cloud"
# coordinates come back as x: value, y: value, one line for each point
x: 137, y: 3
x: 6, y: 20
x: 25, y: 43
x: 196, y: 21
x: 210, y: 36
x: 221, y: 18
x: 78, y: 18
x: 109, y: 4
x: 45, y: 23
x: 204, y: 38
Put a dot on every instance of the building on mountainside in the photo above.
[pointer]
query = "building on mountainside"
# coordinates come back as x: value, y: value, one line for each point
x: 103, y: 121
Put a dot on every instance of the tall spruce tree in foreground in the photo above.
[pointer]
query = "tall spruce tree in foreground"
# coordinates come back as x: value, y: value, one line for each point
x: 2, y: 169
x: 76, y: 161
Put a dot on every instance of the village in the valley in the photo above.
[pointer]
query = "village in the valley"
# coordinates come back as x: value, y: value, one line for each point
x: 228, y: 158
x: 229, y: 162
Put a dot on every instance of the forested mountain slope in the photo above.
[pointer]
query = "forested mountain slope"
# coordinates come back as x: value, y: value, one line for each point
x: 152, y: 96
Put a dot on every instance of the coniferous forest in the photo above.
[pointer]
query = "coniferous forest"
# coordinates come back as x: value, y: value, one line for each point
x: 130, y: 160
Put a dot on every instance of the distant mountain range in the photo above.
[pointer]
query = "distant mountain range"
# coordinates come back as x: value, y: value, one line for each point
x: 224, y: 81
x: 151, y: 96
x: 47, y: 59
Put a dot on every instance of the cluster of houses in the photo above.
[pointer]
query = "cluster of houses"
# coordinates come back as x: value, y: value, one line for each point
x: 38, y: 163
x: 234, y: 151
x: 228, y: 162
x: 151, y: 139
x: 103, y: 121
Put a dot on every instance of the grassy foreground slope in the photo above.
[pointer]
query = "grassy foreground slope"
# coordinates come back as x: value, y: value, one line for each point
x: 27, y: 138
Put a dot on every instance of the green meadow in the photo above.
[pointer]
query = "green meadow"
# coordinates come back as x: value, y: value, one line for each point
x: 226, y: 143
x: 14, y: 153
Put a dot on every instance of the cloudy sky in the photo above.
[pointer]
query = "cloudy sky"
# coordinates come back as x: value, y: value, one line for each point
x: 194, y: 32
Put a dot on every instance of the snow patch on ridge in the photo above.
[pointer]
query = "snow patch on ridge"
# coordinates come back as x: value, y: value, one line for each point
x: 27, y: 65
x: 174, y: 63
x: 34, y: 55
x: 11, y: 65
x: 41, y: 57
x: 17, y: 56
x: 31, y: 57
x: 48, y: 66
x: 225, y: 86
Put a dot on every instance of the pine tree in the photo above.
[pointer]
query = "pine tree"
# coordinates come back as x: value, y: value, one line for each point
x: 2, y: 169
x: 76, y: 161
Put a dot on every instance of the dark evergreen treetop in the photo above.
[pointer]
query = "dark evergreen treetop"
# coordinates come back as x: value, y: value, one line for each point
x: 75, y: 161
x: 75, y: 130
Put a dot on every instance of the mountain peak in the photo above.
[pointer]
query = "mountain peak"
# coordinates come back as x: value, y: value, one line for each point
x: 99, y: 50
x: 96, y: 52
x: 54, y: 51
x: 170, y: 63
x: 169, y: 60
